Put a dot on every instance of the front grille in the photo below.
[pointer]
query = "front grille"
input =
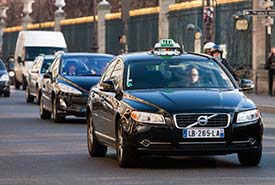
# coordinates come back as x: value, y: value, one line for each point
x: 217, y: 121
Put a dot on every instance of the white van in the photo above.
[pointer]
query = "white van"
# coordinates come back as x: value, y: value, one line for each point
x: 31, y: 44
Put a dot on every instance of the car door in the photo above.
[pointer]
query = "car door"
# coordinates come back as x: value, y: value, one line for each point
x: 35, y: 76
x: 101, y: 119
x: 48, y: 84
x: 111, y: 100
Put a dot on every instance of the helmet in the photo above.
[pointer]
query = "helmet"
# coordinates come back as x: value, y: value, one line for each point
x: 207, y: 47
x: 216, y: 48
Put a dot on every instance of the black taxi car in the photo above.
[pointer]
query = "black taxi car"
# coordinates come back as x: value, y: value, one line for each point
x: 66, y: 85
x: 168, y: 102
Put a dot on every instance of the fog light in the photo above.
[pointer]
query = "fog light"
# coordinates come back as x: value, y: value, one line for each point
x: 62, y: 104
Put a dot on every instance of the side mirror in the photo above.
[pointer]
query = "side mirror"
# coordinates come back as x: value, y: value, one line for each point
x: 246, y: 84
x: 107, y: 86
x: 48, y: 75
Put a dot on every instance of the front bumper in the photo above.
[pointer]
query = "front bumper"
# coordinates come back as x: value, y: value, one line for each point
x: 4, y: 86
x: 70, y: 104
x: 169, y: 141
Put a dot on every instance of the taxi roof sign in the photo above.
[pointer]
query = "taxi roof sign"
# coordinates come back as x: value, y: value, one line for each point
x: 167, y: 43
x: 167, y: 47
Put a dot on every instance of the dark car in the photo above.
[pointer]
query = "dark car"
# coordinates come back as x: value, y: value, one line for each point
x: 4, y: 80
x: 168, y: 103
x: 35, y: 75
x: 66, y: 85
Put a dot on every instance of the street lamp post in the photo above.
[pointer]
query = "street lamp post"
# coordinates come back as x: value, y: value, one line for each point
x: 95, y: 34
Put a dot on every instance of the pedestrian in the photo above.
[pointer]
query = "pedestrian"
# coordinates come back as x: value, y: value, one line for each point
x: 216, y: 52
x: 207, y: 47
x: 270, y: 66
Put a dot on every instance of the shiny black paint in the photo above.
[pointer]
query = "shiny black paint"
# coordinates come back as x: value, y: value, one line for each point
x: 76, y: 103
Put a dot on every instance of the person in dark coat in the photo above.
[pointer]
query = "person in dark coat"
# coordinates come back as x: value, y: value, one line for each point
x: 270, y: 66
x: 216, y: 52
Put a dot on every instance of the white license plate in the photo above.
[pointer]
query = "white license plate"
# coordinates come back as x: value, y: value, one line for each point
x: 203, y: 133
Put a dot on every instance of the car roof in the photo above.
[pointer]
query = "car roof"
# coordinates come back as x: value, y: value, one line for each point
x: 150, y: 56
x: 87, y: 54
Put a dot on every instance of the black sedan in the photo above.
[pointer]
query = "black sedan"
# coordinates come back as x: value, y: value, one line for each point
x: 172, y: 104
x: 66, y: 85
x: 4, y: 80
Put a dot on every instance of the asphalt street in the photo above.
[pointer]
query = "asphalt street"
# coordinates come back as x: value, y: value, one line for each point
x: 35, y: 151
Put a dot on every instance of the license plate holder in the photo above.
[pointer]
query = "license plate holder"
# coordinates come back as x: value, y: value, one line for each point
x: 203, y: 133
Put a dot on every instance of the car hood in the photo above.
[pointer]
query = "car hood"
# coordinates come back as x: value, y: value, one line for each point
x: 189, y: 101
x: 85, y: 82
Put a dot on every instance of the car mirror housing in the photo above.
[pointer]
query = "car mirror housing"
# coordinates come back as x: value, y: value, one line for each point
x: 246, y: 84
x: 107, y: 86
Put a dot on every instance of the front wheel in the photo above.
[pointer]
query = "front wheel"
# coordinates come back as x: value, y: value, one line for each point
x: 7, y: 94
x: 250, y: 158
x: 44, y: 114
x: 126, y: 154
x: 56, y: 116
x: 16, y: 83
x: 94, y: 148
x: 29, y: 97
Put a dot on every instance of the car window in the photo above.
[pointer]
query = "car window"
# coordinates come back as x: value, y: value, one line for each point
x: 107, y: 74
x: 116, y: 76
x: 171, y: 73
x: 84, y: 65
x: 55, y: 67
x: 32, y: 52
x: 45, y: 65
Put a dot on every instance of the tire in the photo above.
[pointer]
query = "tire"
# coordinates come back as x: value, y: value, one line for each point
x: 24, y: 85
x: 94, y: 148
x: 16, y: 83
x: 250, y: 158
x: 29, y: 98
x: 44, y: 114
x: 7, y: 94
x: 39, y: 97
x: 57, y: 118
x: 126, y: 155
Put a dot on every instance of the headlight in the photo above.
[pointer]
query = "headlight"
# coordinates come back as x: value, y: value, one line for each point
x: 246, y: 116
x: 147, y: 117
x: 68, y: 89
x: 11, y: 73
x: 4, y: 77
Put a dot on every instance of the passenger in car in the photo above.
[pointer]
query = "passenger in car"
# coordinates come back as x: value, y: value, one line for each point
x: 193, y: 76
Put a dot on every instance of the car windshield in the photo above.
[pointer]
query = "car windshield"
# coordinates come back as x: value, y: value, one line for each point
x: 175, y: 73
x: 84, y: 65
x: 46, y: 64
x: 32, y: 52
